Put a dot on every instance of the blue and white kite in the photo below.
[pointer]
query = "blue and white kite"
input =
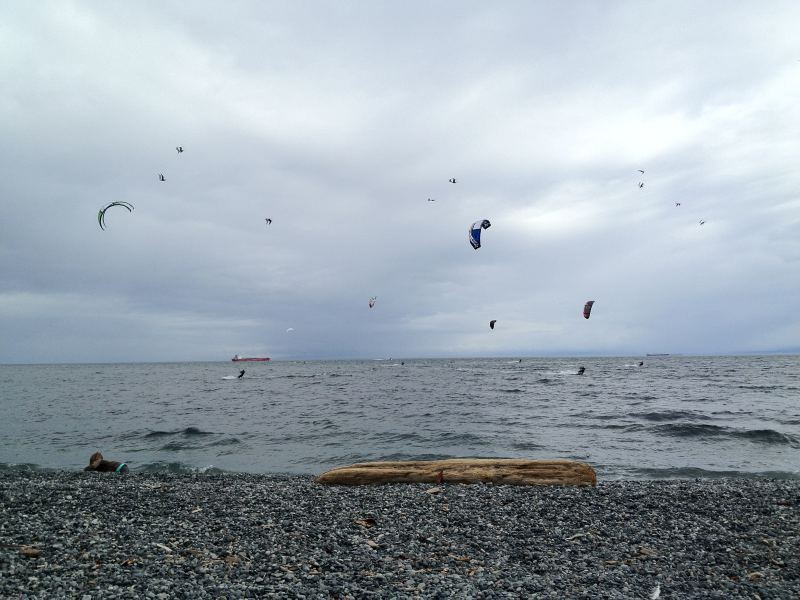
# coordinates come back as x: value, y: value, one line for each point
x: 475, y: 232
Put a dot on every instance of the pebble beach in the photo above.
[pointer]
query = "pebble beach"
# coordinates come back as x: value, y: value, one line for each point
x: 95, y: 535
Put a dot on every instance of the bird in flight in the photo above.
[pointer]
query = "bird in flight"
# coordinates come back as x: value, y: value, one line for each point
x: 702, y: 222
x: 431, y: 200
x: 179, y: 149
x: 452, y: 180
x: 161, y: 177
x: 641, y: 184
x: 268, y: 220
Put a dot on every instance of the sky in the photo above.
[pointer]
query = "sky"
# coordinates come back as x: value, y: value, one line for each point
x: 339, y: 120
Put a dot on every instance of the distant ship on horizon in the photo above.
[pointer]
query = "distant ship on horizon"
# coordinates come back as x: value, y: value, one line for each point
x: 659, y: 354
x: 237, y: 358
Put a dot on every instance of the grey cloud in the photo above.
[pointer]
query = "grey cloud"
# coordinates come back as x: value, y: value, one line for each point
x: 339, y: 121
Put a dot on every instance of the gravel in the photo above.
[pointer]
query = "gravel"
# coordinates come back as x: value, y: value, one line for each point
x: 154, y: 536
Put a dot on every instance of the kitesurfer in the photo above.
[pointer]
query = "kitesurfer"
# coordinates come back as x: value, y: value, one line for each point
x: 641, y: 363
x: 581, y: 370
x: 241, y: 374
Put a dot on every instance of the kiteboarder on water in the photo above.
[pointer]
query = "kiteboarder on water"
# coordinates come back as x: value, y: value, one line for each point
x: 241, y: 374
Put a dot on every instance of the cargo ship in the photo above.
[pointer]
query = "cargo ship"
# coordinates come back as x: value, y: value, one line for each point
x: 238, y: 358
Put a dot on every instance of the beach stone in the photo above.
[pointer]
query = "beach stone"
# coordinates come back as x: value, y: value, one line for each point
x: 506, y: 471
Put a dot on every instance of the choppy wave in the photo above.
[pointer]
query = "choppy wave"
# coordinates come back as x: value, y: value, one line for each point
x: 188, y: 431
x: 22, y: 467
x: 759, y: 388
x: 697, y: 473
x: 702, y: 430
x: 430, y: 438
x: 180, y: 445
x: 524, y: 446
x: 177, y: 468
x: 669, y: 415
x: 301, y: 417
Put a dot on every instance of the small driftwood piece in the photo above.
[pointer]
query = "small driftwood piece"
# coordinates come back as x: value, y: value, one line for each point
x: 507, y: 471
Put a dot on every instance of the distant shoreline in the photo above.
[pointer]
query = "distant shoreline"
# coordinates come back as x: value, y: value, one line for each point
x: 272, y: 361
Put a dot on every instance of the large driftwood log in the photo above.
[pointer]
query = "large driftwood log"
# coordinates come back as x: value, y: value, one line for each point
x: 508, y: 471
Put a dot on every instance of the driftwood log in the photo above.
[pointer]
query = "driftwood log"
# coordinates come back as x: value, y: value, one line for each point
x: 508, y: 471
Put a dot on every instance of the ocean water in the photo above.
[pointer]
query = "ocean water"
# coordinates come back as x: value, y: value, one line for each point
x: 674, y: 416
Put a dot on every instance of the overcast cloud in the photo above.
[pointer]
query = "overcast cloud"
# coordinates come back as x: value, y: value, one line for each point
x: 338, y: 120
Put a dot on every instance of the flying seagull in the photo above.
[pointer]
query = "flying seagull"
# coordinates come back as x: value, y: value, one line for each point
x: 431, y: 200
x: 161, y: 177
x: 268, y: 220
x: 641, y: 171
x: 452, y: 180
x: 641, y: 185
x: 179, y: 149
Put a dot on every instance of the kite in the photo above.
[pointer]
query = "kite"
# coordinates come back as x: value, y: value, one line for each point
x: 491, y: 323
x: 475, y: 232
x: 587, y: 309
x: 290, y: 329
x: 372, y: 301
x: 101, y: 215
